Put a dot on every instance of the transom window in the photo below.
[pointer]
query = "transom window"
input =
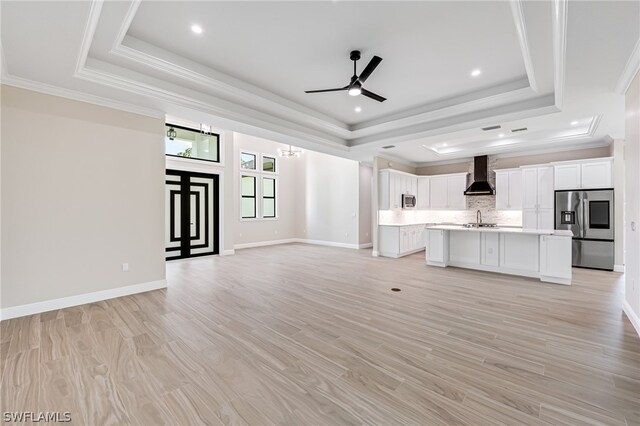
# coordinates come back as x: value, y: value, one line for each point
x: 191, y: 143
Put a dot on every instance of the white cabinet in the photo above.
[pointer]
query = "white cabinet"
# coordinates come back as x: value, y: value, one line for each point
x: 584, y: 174
x: 555, y: 258
x: 456, y: 186
x: 439, y: 192
x: 509, y: 189
x: 423, y: 197
x: 537, y: 197
x: 567, y: 176
x: 391, y: 185
x: 447, y: 191
x: 490, y: 249
x: 397, y: 241
x: 597, y: 174
x: 437, y: 247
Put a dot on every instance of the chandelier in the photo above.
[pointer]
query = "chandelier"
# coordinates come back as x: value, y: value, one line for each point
x: 289, y: 153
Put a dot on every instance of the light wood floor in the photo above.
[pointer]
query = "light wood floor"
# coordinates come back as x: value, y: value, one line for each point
x: 300, y: 334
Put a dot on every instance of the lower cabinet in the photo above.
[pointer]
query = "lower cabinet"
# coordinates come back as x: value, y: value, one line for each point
x: 397, y: 241
x: 555, y: 258
x: 437, y: 247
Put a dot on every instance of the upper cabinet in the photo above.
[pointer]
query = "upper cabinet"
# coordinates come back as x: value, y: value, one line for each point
x: 509, y: 189
x: 537, y: 197
x: 447, y: 191
x: 432, y: 192
x: 585, y: 174
x: 392, y: 185
x: 423, y: 196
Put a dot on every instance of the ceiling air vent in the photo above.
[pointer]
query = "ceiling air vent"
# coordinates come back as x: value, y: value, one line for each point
x: 388, y: 147
x: 497, y: 126
x: 521, y: 129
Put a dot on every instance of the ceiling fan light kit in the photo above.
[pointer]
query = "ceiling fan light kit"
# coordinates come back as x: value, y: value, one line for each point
x: 354, y: 88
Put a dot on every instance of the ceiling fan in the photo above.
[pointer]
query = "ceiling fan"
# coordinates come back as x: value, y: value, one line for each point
x: 354, y: 88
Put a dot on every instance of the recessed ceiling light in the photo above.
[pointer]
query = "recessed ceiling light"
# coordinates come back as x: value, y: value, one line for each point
x: 196, y: 29
x: 574, y: 123
x: 358, y: 109
x: 501, y: 135
x: 476, y: 72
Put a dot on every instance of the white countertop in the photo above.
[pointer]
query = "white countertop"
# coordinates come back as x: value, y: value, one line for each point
x: 408, y: 224
x: 506, y: 229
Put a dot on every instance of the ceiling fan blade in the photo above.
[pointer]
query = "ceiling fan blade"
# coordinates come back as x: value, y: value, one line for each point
x: 366, y: 72
x: 327, y: 90
x: 372, y: 95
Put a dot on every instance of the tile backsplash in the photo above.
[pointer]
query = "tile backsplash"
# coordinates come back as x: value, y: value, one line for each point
x: 489, y: 215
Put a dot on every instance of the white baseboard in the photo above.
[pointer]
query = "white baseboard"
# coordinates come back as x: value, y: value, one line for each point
x: 633, y: 317
x: 303, y: 241
x: 328, y: 243
x: 375, y: 253
x: 80, y: 299
x: 618, y: 268
x: 264, y: 243
x: 228, y: 252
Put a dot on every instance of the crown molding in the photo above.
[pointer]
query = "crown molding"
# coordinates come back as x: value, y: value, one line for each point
x: 631, y: 68
x: 89, y: 31
x: 126, y: 23
x: 221, y: 109
x: 478, y: 118
x: 481, y: 146
x: 141, y: 52
x: 559, y: 49
x: 75, y: 95
x: 510, y: 92
x: 239, y: 90
x: 521, y: 28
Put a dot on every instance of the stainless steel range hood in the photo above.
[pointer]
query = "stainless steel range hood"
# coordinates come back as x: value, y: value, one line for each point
x: 480, y: 185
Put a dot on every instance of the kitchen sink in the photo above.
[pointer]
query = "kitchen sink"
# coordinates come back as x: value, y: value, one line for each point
x: 480, y: 225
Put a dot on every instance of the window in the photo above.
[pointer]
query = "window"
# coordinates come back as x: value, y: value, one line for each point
x: 258, y: 181
x: 191, y: 143
x: 248, y: 190
x: 268, y: 164
x: 247, y: 161
x: 268, y: 197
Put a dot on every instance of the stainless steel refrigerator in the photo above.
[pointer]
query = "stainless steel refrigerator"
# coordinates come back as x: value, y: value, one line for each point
x: 589, y: 215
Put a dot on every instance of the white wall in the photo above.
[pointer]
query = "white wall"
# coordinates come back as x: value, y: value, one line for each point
x: 331, y: 198
x: 616, y: 150
x: 82, y: 193
x: 632, y: 203
x: 364, y: 208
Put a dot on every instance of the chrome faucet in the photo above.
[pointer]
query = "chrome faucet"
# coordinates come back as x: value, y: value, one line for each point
x: 478, y: 218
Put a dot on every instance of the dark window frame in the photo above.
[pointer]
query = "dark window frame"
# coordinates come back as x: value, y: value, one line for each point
x: 197, y: 131
x: 254, y: 197
x: 275, y: 206
x: 275, y: 164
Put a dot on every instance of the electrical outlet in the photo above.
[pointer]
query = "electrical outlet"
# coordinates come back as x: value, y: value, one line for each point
x: 125, y: 267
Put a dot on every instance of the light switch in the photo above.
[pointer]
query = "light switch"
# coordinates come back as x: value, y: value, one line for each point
x: 125, y: 267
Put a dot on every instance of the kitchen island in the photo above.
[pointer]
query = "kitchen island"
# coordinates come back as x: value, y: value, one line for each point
x: 543, y: 254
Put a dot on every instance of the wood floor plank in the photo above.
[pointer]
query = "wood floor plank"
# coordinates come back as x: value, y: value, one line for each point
x: 320, y: 339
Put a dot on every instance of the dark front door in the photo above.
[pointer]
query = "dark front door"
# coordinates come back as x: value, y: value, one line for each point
x: 191, y: 204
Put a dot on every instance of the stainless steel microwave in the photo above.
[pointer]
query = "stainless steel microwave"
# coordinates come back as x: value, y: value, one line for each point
x: 408, y: 201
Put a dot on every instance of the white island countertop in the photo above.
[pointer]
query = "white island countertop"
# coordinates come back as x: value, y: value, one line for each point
x: 502, y: 230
